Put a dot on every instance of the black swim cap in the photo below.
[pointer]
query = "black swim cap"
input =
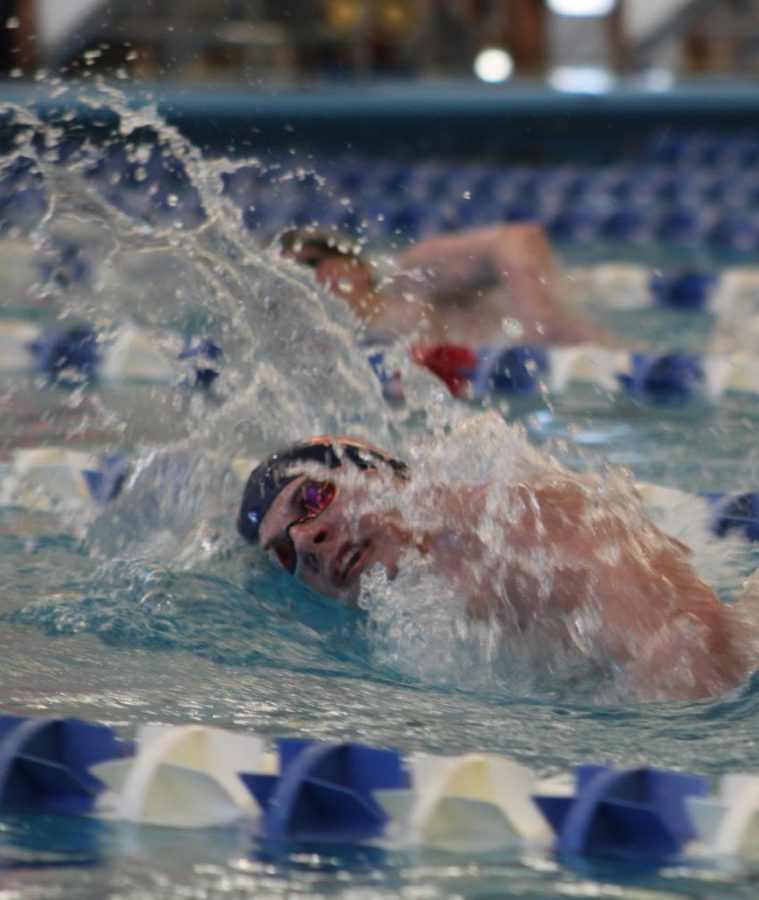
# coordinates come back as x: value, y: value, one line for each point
x: 277, y: 471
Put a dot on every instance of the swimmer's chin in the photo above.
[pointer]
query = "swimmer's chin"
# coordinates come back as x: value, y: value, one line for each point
x: 359, y: 562
x: 351, y: 594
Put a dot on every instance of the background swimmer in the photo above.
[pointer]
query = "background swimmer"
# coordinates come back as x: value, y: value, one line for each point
x: 455, y: 288
x: 552, y: 554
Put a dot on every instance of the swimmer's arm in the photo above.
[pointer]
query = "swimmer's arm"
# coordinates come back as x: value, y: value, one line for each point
x: 523, y: 261
x: 497, y: 250
x: 517, y: 256
x: 657, y: 616
x: 455, y: 258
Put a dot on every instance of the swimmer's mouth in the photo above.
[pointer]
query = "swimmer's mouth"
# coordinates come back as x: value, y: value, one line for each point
x: 351, y: 562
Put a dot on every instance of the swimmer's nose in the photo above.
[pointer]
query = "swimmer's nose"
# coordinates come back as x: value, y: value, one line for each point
x: 310, y: 538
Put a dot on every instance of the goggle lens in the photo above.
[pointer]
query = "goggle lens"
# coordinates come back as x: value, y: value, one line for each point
x: 315, y: 497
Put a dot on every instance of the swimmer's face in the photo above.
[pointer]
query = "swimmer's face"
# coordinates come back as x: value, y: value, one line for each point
x: 347, y: 276
x: 326, y: 533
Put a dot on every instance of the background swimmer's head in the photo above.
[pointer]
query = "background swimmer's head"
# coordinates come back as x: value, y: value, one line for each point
x: 308, y: 521
x: 337, y: 264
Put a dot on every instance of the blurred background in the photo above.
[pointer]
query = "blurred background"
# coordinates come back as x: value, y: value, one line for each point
x: 286, y: 42
x: 446, y: 99
x: 508, y: 69
x: 404, y: 65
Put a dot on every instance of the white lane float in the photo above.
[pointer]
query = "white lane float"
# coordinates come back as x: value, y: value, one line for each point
x: 472, y: 803
x: 728, y: 823
x: 61, y: 478
x: 182, y: 777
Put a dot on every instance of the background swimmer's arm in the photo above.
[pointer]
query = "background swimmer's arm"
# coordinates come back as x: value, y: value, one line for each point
x: 517, y: 256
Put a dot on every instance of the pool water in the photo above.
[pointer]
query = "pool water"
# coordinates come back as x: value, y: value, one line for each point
x: 148, y: 609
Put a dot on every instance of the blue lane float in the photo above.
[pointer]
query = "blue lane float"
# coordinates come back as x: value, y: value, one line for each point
x: 205, y: 356
x: 44, y: 763
x: 63, y: 353
x: 723, y: 513
x: 323, y: 792
x: 668, y: 376
x: 515, y: 370
x: 106, y: 481
x: 77, y: 354
x: 194, y: 776
x: 661, y: 377
x: 683, y: 289
x: 636, y: 814
x: 735, y: 511
x: 390, y: 380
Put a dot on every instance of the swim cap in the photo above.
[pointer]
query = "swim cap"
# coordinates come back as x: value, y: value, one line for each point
x: 278, y: 470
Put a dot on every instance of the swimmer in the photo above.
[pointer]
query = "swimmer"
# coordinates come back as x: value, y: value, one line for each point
x: 565, y: 561
x: 460, y: 288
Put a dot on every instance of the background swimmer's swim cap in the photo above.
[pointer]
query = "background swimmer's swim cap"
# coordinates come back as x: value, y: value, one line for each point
x: 278, y: 470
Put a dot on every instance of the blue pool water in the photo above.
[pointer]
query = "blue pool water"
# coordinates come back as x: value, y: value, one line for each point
x: 148, y: 609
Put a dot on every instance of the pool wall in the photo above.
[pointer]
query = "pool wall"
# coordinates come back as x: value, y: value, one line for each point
x: 524, y: 122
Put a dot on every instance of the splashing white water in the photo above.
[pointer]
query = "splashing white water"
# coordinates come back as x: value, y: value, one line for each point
x: 292, y: 368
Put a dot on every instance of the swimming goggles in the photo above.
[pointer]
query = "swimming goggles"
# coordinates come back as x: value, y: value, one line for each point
x: 314, y: 498
x: 277, y: 471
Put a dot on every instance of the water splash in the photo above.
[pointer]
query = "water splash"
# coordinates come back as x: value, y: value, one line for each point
x: 135, y: 226
x: 139, y: 228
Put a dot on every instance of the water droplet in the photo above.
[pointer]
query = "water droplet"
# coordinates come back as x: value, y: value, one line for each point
x: 512, y: 328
